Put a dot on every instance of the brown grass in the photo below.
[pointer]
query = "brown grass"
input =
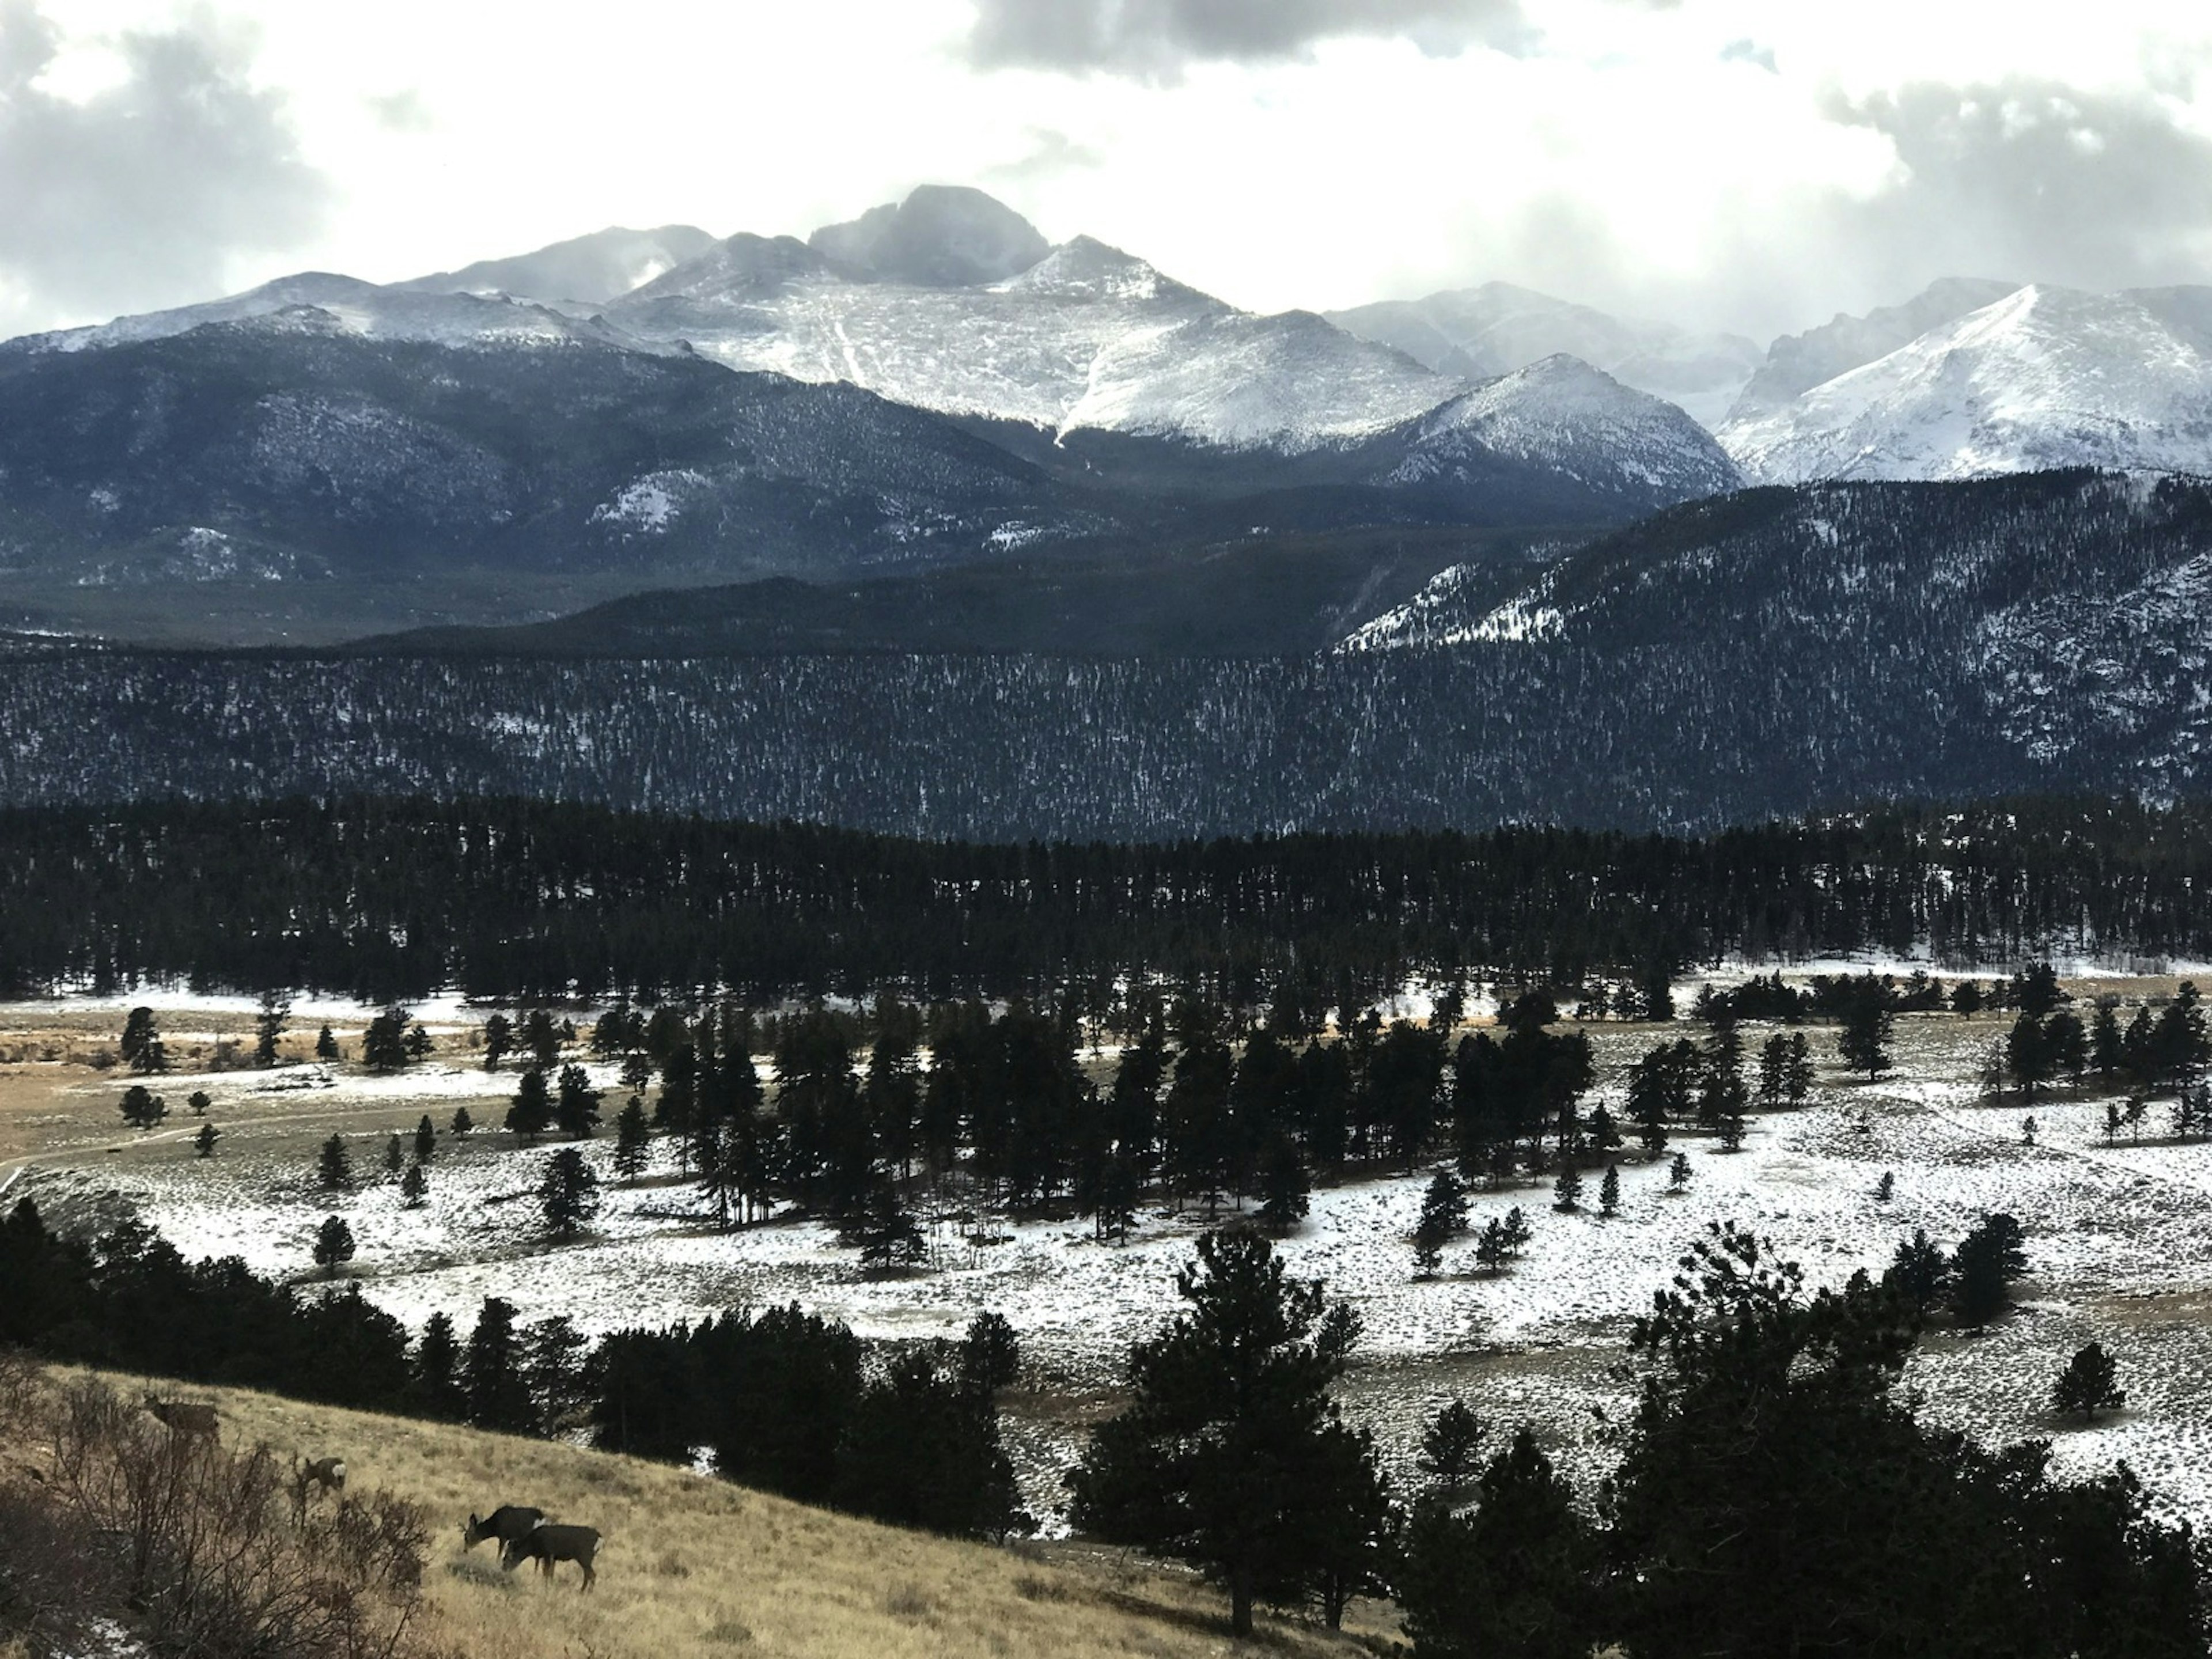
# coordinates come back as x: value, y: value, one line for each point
x: 692, y: 1565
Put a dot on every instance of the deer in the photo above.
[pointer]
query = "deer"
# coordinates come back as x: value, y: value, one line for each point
x: 184, y: 1417
x: 547, y: 1543
x: 507, y: 1523
x: 327, y: 1474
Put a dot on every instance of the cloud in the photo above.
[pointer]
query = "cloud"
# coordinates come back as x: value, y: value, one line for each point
x: 2090, y: 189
x: 140, y: 193
x: 1156, y: 39
x: 1051, y: 153
x: 403, y: 111
x: 1750, y: 51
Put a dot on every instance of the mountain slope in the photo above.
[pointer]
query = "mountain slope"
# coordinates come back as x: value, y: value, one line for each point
x: 1479, y: 333
x: 1796, y: 363
x: 2044, y: 377
x: 585, y: 270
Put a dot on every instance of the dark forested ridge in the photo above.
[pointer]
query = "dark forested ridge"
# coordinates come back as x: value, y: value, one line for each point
x: 507, y: 898
x: 1766, y: 655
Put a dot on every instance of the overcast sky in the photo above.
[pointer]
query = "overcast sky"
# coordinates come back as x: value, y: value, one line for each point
x: 1750, y: 164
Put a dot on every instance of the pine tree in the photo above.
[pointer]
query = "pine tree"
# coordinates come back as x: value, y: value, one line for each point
x: 497, y: 1396
x: 498, y: 1041
x: 1517, y: 1232
x: 1608, y: 1191
x: 206, y: 1139
x: 1863, y: 1042
x: 426, y: 1139
x: 567, y: 1194
x: 432, y: 1384
x: 2089, y: 1384
x: 1983, y: 1267
x: 1678, y: 1173
x: 326, y: 1046
x: 1285, y: 1188
x: 576, y: 1113
x: 384, y: 1045
x: 1797, y: 1074
x: 199, y: 1100
x: 1919, y: 1273
x: 140, y: 1043
x: 414, y: 1187
x: 1229, y: 1431
x: 1443, y: 1218
x: 463, y: 1125
x: 1567, y: 1190
x: 1450, y: 1450
x: 142, y: 1108
x: 885, y: 1230
x: 334, y: 1166
x: 334, y: 1245
x: 532, y: 1110
x: 633, y: 1140
x: 1885, y: 1188
x: 269, y: 1027
x: 395, y: 1157
x: 1490, y: 1250
x: 1509, y: 1576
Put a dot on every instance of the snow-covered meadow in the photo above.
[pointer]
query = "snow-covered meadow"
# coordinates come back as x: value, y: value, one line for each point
x: 2119, y: 1238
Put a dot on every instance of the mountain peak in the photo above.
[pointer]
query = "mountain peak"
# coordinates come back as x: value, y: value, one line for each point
x: 589, y: 270
x: 940, y: 236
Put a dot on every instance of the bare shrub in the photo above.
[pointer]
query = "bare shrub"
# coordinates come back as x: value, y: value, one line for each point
x: 195, y: 1539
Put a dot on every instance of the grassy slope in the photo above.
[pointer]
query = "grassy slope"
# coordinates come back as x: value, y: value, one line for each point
x: 696, y: 1566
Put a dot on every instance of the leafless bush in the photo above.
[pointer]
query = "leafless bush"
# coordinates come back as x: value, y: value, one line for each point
x: 19, y: 1391
x: 195, y: 1540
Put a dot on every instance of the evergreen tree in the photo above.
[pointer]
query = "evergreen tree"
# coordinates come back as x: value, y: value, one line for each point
x: 426, y: 1139
x: 269, y: 1027
x: 553, y: 1351
x: 334, y: 1166
x: 1797, y: 1074
x: 395, y: 1157
x: 885, y: 1231
x: 432, y: 1384
x: 1492, y: 1252
x: 1451, y: 1449
x: 334, y: 1245
x: 1443, y: 1218
x: 1567, y: 1190
x: 1919, y: 1273
x: 1517, y: 1232
x: 414, y: 1186
x: 496, y: 1393
x: 1885, y: 1188
x: 1983, y: 1267
x: 384, y: 1045
x: 1608, y: 1191
x: 1509, y: 1579
x: 1284, y: 1187
x: 142, y: 1108
x: 577, y: 1111
x: 140, y: 1043
x: 633, y: 1140
x: 498, y: 1041
x: 206, y: 1139
x: 567, y: 1194
x: 1678, y: 1172
x: 531, y: 1113
x: 326, y: 1046
x: 2089, y: 1384
x: 1863, y: 1042
x: 1227, y: 1434
x: 199, y: 1100
x: 463, y: 1125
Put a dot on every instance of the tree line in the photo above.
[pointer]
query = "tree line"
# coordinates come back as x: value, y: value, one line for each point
x: 514, y: 900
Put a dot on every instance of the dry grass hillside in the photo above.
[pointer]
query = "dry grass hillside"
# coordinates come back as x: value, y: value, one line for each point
x: 693, y: 1565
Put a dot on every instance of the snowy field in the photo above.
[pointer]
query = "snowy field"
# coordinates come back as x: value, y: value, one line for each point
x: 2119, y: 1239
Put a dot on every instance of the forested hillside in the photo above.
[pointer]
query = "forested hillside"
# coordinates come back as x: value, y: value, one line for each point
x: 514, y: 898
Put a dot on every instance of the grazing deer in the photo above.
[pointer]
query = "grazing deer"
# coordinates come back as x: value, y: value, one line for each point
x: 184, y: 1417
x: 546, y: 1543
x: 507, y: 1523
x: 326, y: 1474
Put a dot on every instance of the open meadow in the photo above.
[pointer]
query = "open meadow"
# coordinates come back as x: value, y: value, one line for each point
x: 2119, y: 1234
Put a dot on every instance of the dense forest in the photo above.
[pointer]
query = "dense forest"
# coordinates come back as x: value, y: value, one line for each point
x: 515, y: 899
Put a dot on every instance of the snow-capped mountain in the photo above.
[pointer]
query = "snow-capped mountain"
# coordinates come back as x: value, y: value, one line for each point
x: 1796, y: 363
x: 585, y: 269
x: 2042, y: 378
x: 1477, y: 333
x: 1562, y: 415
x: 1086, y: 337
